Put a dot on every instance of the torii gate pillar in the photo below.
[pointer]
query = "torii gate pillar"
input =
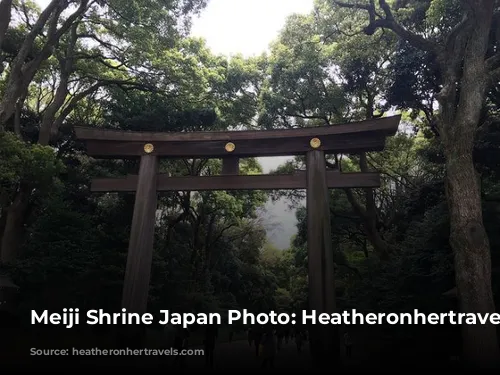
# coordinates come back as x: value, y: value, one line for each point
x: 140, y: 250
x: 324, y: 340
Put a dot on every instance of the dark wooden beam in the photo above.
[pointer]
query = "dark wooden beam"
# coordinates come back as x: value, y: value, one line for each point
x: 244, y: 148
x: 324, y: 341
x: 385, y: 126
x: 347, y: 138
x: 231, y: 165
x: 256, y: 182
x: 140, y: 251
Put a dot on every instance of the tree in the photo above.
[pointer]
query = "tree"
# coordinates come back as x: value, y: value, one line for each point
x: 319, y: 77
x: 46, y: 28
x: 54, y: 61
x: 462, y: 47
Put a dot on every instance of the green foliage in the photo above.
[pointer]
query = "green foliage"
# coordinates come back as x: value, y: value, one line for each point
x: 443, y: 13
x: 300, y: 90
x: 21, y: 162
x: 64, y: 257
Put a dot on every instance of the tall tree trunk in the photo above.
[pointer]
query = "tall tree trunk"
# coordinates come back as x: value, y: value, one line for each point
x: 468, y: 237
x: 465, y: 74
x: 472, y: 258
x: 12, y: 235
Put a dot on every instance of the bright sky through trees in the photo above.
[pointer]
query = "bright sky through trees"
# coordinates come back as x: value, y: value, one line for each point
x: 245, y: 26
x: 241, y: 26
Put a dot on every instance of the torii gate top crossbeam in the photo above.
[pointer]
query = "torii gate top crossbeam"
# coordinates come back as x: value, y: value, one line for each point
x: 354, y: 137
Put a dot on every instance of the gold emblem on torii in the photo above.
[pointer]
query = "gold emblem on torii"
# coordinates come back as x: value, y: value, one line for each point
x: 315, y: 143
x: 230, y: 146
x: 148, y: 148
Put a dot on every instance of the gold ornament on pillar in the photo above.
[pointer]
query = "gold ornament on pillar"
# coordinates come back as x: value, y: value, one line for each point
x: 230, y: 147
x: 315, y: 143
x: 148, y: 148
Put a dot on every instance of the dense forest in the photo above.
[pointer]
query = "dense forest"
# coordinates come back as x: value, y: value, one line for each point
x: 426, y: 239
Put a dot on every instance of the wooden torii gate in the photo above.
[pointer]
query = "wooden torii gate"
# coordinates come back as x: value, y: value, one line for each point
x: 230, y: 146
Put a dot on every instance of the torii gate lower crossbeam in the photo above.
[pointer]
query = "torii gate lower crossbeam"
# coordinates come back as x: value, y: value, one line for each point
x: 230, y: 146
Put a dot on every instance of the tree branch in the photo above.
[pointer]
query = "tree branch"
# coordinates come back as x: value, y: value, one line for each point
x: 221, y: 233
x: 493, y: 65
x: 66, y: 63
x: 388, y: 22
x: 76, y: 98
x: 495, y: 75
x: 5, y: 16
x: 358, y: 208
